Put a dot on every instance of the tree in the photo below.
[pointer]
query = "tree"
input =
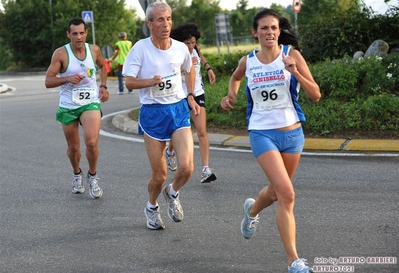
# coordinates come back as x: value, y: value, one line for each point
x: 27, y: 36
x: 280, y: 10
x: 240, y: 26
x: 201, y: 12
x: 38, y: 27
x: 345, y: 32
x: 242, y: 5
x: 180, y: 11
x: 322, y: 8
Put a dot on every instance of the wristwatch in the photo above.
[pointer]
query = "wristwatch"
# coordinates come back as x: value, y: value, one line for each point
x: 103, y: 86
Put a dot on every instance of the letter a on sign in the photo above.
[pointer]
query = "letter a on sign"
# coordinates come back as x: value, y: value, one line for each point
x: 296, y: 5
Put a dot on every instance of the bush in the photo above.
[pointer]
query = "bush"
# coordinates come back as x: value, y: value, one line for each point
x: 5, y: 61
x: 360, y: 95
x: 224, y: 65
x: 336, y: 79
x: 357, y: 96
x: 215, y: 113
x: 346, y: 32
x: 348, y: 78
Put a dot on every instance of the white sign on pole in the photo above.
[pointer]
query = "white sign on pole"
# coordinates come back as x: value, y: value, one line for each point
x: 87, y: 16
x: 223, y: 32
x: 296, y: 5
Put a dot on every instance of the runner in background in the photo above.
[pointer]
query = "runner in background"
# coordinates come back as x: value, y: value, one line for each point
x: 189, y: 34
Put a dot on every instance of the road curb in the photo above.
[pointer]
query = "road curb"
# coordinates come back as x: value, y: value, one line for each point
x: 3, y: 87
x: 389, y: 145
x: 123, y: 122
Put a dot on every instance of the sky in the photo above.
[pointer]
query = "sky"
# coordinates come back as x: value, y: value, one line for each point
x: 226, y: 4
x: 377, y: 5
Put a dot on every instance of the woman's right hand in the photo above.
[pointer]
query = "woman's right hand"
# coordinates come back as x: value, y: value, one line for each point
x: 227, y: 103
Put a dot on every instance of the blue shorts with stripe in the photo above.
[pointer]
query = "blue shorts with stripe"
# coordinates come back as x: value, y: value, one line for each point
x: 159, y: 121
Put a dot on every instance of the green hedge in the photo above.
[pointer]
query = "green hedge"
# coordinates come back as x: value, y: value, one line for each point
x: 358, y: 95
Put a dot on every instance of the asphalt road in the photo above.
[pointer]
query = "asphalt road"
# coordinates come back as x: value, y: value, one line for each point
x: 345, y: 206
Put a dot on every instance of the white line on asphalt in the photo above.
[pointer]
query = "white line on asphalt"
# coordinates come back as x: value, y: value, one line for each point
x: 232, y: 149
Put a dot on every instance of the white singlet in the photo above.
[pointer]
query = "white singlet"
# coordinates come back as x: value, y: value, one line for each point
x: 73, y: 96
x: 199, y: 86
x: 272, y: 94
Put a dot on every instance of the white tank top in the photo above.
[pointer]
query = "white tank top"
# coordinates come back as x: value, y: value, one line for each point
x: 270, y: 103
x: 73, y: 96
x: 199, y: 86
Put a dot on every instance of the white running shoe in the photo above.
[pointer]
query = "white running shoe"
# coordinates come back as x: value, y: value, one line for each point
x: 175, y: 210
x: 171, y: 160
x: 78, y: 186
x: 248, y: 224
x: 207, y: 176
x: 299, y: 266
x: 95, y: 189
x: 154, y: 220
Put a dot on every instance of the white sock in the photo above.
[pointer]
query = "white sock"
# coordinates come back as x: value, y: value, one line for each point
x: 204, y: 168
x: 169, y: 152
x: 172, y: 191
x: 151, y: 206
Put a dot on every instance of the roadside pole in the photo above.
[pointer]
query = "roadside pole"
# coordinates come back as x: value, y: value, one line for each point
x: 296, y: 6
x: 88, y: 17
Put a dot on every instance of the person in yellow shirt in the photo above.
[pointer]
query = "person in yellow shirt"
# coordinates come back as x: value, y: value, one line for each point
x: 122, y: 48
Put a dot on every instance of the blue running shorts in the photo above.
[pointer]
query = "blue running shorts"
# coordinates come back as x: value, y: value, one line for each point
x: 291, y: 141
x: 159, y: 121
